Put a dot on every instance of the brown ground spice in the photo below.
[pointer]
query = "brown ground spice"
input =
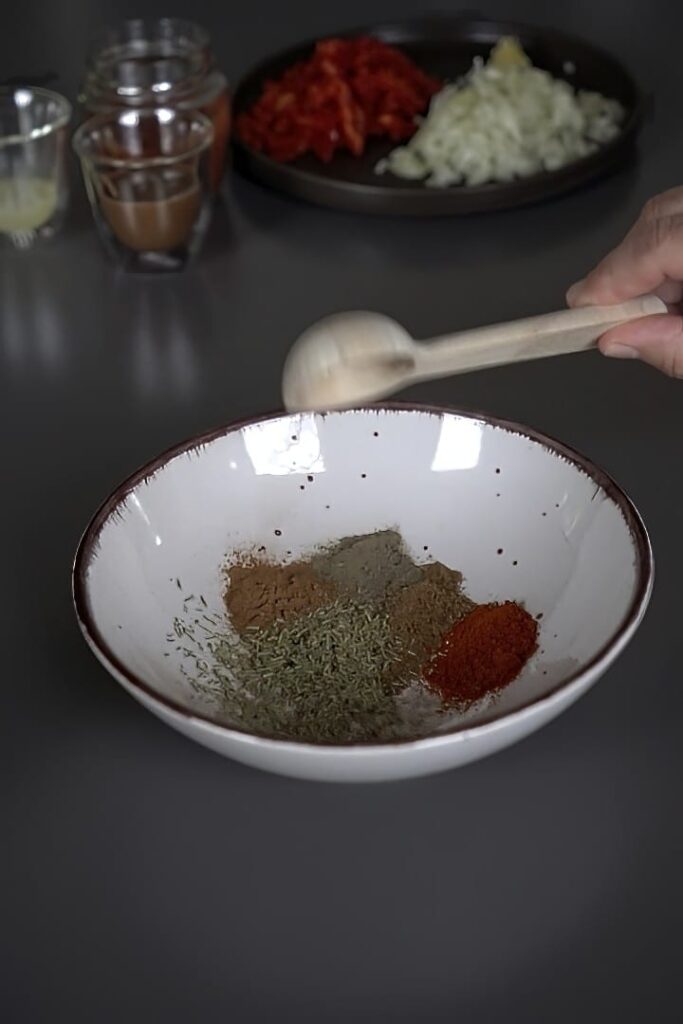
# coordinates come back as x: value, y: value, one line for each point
x: 261, y: 593
x: 421, y: 613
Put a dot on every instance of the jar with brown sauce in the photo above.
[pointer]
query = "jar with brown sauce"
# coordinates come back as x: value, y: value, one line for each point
x: 147, y: 177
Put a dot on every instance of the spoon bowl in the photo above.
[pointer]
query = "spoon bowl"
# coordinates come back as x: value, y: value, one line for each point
x: 345, y: 359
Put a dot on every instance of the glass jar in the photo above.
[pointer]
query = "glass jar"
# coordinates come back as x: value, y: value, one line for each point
x: 33, y: 179
x: 146, y: 174
x: 160, y: 62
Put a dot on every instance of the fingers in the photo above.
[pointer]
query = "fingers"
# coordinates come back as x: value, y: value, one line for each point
x: 657, y: 340
x: 671, y: 292
x: 650, y: 259
x: 650, y: 255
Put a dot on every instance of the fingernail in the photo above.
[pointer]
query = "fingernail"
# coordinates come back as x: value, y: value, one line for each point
x: 620, y: 352
x: 573, y: 292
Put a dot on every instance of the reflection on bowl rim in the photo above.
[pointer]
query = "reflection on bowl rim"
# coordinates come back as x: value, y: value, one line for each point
x: 600, y: 661
x: 80, y: 139
x: 61, y: 120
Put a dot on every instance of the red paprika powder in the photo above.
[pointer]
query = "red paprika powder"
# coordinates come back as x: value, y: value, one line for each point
x: 482, y: 653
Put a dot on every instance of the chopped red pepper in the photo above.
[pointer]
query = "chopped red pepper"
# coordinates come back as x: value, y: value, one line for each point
x: 348, y: 91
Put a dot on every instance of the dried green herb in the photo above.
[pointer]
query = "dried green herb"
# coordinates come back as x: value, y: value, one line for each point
x: 322, y: 678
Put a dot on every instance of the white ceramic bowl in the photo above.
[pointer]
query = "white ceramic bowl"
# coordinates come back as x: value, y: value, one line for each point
x: 523, y: 517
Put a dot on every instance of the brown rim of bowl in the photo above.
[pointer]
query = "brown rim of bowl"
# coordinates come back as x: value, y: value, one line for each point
x: 643, y: 586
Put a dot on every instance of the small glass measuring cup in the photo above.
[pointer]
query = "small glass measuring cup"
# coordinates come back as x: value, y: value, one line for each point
x: 33, y: 184
x: 147, y: 177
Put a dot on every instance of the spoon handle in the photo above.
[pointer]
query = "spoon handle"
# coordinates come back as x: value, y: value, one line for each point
x: 571, y: 330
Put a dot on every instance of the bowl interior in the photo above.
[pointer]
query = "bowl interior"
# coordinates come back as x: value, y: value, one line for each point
x: 521, y: 518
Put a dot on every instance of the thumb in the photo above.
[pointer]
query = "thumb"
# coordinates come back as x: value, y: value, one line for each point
x: 657, y: 340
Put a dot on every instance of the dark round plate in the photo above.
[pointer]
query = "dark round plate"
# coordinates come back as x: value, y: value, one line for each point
x: 445, y: 46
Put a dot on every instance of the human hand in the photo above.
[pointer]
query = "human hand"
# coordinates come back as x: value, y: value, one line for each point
x: 650, y: 259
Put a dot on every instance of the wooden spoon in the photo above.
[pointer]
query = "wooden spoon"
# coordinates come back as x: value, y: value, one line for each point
x: 351, y: 358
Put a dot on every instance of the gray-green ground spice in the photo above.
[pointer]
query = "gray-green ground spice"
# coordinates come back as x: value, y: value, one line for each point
x: 367, y: 566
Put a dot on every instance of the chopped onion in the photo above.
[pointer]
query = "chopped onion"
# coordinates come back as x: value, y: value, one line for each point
x: 504, y: 120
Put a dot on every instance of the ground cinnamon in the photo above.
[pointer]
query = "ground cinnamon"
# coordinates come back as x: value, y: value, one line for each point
x: 482, y: 653
x: 261, y: 593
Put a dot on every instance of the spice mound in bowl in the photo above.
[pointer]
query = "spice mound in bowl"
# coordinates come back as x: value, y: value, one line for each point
x: 366, y: 595
x: 357, y: 643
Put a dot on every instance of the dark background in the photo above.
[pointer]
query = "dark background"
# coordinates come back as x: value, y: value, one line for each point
x: 148, y: 879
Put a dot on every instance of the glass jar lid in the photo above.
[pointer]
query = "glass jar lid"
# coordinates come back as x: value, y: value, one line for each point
x: 148, y: 57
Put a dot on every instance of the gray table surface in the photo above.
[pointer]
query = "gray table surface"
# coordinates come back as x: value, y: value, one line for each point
x: 148, y: 879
